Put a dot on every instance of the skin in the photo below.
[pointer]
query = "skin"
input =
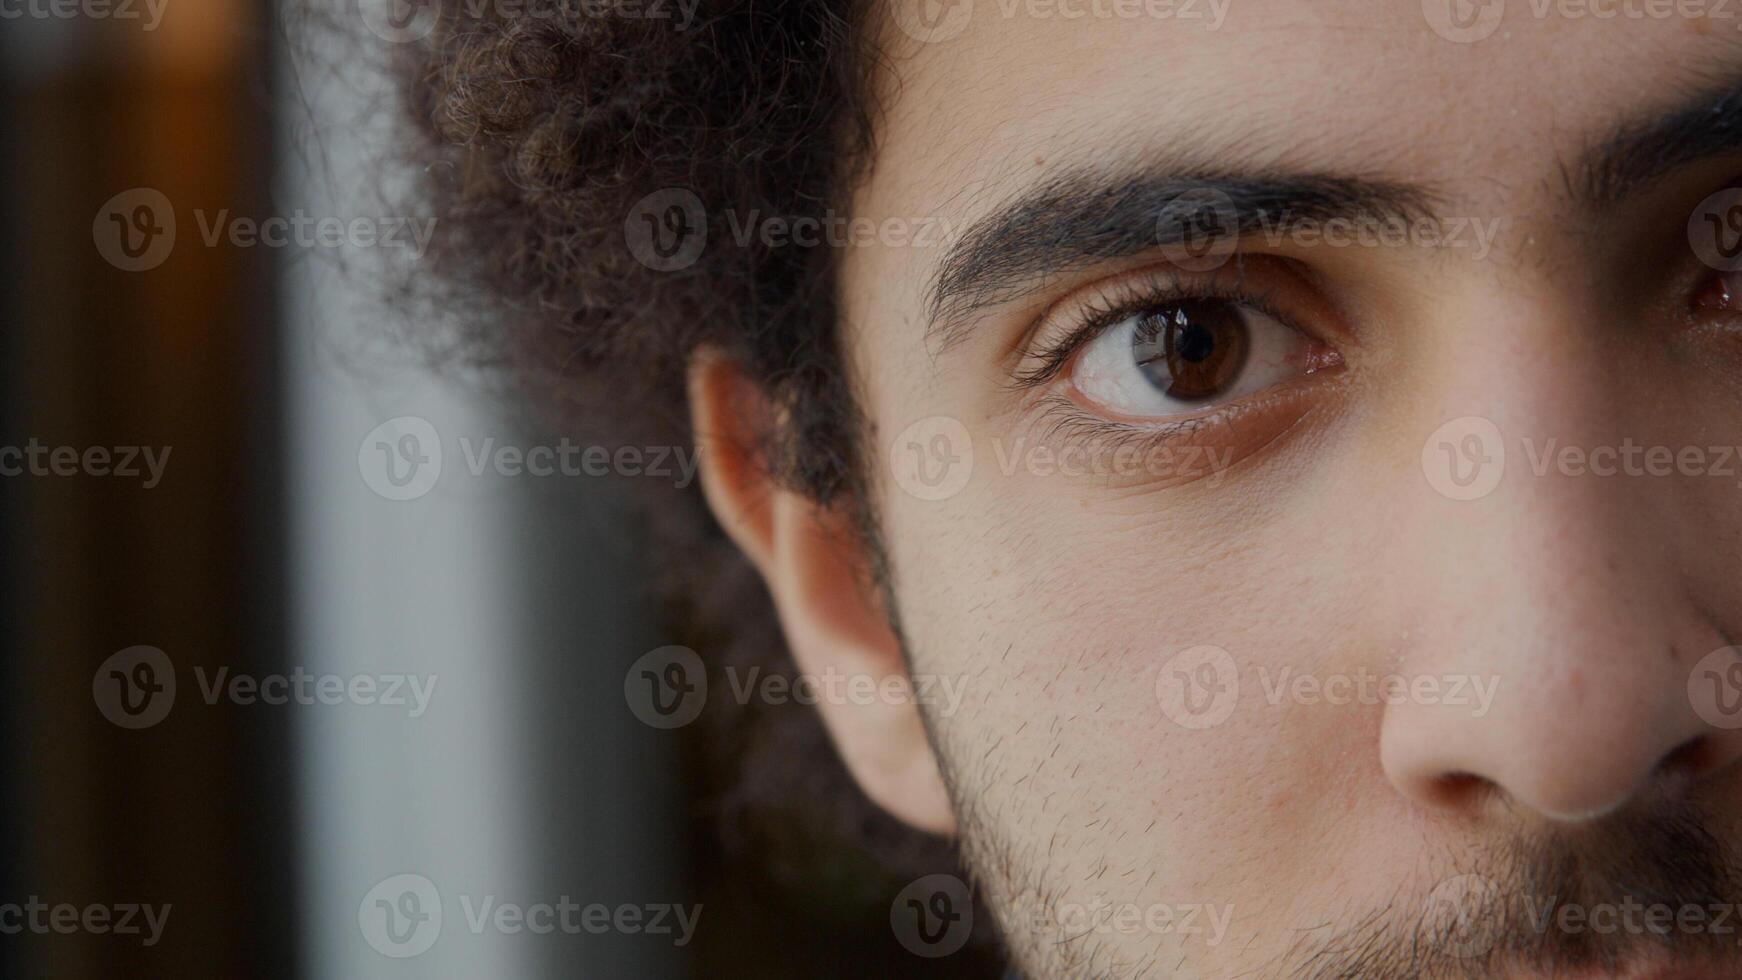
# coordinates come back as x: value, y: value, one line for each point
x: 1332, y: 835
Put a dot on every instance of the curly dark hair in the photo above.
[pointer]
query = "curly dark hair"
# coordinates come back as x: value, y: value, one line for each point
x: 541, y: 128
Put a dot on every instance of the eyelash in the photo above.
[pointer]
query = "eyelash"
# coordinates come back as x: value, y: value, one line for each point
x: 1127, y: 299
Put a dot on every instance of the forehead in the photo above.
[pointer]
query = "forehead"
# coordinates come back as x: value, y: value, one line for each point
x: 1326, y: 82
x: 983, y: 97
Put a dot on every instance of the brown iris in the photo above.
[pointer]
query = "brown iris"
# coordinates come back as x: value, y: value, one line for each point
x: 1191, y: 350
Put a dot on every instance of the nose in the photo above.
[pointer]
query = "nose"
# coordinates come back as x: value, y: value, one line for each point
x: 1563, y: 593
x: 1584, y: 736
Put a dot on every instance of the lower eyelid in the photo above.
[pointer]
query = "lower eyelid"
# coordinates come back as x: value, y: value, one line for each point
x: 1209, y: 442
x: 1186, y: 421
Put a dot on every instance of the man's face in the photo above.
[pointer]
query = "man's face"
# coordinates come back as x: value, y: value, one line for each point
x: 1352, y: 602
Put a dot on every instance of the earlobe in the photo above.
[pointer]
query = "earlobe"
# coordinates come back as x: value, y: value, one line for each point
x: 814, y: 565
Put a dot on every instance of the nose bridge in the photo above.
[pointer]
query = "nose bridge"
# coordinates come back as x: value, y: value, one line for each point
x: 1541, y: 547
x: 1552, y: 585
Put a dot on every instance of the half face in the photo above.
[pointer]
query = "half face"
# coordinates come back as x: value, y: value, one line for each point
x: 1306, y: 431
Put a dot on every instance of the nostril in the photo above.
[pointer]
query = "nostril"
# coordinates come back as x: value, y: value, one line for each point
x: 1460, y: 790
x: 1692, y: 757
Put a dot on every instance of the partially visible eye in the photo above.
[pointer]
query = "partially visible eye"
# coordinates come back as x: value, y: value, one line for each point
x: 1721, y: 293
x: 1175, y: 357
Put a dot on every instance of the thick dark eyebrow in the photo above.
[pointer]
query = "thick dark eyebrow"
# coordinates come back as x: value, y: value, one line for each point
x: 1640, y: 154
x: 1083, y: 217
x: 1086, y: 216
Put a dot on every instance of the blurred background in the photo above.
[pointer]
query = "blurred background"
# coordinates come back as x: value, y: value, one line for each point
x: 301, y: 678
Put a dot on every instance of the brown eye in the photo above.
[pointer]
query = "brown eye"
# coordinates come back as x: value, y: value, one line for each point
x: 1175, y: 355
x: 1191, y: 350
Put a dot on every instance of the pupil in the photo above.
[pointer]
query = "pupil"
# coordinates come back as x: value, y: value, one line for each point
x: 1193, y: 349
x: 1195, y: 343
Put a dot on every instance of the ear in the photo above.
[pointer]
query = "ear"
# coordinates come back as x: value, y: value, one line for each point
x: 815, y: 569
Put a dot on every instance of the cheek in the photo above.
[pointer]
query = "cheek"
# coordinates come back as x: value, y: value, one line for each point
x: 1063, y: 620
